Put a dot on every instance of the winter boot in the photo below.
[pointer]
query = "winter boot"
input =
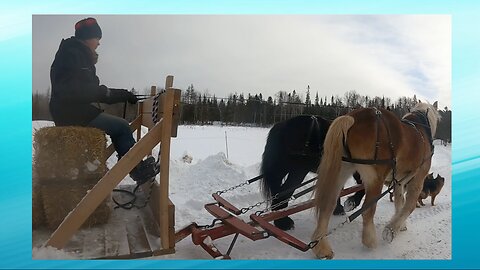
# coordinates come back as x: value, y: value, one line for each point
x: 144, y: 171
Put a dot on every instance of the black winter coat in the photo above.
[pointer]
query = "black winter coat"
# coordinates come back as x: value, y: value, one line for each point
x: 75, y: 85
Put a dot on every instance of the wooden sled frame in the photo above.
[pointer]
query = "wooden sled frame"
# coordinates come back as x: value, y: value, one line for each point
x: 160, y: 204
x: 231, y: 224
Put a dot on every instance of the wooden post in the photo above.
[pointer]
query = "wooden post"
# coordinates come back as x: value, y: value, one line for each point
x: 165, y: 167
x: 169, y: 82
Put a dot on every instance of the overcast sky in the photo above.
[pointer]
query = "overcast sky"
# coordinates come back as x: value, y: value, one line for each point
x: 388, y: 55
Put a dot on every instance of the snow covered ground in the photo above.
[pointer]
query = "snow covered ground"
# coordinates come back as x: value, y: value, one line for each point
x: 191, y: 185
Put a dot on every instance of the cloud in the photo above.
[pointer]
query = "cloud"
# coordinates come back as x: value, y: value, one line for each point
x: 392, y: 55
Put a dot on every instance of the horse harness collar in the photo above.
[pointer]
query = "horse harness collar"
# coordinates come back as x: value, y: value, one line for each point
x: 425, y: 123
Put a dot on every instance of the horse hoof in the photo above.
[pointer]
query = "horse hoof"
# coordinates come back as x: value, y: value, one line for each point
x: 339, y: 211
x: 325, y: 256
x: 349, y: 205
x: 388, y: 234
x: 285, y: 223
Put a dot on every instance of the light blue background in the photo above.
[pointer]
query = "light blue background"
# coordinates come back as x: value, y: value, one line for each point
x: 15, y: 116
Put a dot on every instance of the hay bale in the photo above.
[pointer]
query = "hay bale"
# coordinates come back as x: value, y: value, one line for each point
x: 69, y: 153
x: 38, y: 215
x: 61, y: 197
x: 68, y: 162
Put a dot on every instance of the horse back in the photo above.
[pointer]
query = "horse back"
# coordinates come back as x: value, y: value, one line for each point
x: 382, y: 132
x: 373, y: 132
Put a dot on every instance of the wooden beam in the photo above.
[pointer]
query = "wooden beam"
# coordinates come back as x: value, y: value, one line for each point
x: 100, y: 191
x: 165, y: 167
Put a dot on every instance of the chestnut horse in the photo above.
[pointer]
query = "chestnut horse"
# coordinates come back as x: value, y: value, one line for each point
x: 384, y: 150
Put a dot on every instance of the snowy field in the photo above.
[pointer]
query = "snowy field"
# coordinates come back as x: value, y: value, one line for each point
x: 191, y: 185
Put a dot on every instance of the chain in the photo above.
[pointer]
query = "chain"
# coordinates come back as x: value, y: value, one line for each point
x: 271, y: 207
x: 248, y: 182
x: 313, y: 243
x: 246, y: 209
x: 156, y: 120
x: 232, y: 188
x: 214, y: 222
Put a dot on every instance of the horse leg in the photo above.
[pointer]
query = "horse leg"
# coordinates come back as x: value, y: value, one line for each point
x: 325, y: 199
x: 372, y: 191
x: 353, y: 201
x: 397, y: 222
x: 294, y: 179
x: 399, y: 194
x: 339, y: 211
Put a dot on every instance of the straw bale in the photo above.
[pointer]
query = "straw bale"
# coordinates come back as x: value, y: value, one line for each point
x: 69, y: 153
x: 38, y: 215
x: 61, y: 196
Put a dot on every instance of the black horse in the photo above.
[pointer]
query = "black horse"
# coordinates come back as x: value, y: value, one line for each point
x: 294, y: 147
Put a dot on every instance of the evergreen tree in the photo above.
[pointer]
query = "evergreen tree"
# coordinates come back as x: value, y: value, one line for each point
x: 308, y: 102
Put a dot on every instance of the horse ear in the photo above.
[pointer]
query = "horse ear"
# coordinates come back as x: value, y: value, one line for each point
x: 435, y: 105
x: 419, y: 101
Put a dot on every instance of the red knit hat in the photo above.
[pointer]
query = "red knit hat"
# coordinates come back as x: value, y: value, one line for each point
x: 88, y: 28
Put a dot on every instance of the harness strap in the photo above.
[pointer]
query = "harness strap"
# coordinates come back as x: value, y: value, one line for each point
x: 367, y: 205
x: 377, y: 143
x: 392, y: 153
x: 375, y: 160
x: 312, y: 129
x: 368, y: 161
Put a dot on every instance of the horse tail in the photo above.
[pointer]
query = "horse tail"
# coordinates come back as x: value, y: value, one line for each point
x: 270, y: 160
x: 332, y: 157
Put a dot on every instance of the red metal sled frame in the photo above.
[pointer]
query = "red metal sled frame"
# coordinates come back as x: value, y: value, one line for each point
x: 234, y: 225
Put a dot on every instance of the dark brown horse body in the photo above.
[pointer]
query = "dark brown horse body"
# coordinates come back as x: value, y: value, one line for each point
x: 366, y: 135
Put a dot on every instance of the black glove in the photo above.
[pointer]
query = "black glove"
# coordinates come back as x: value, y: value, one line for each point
x: 132, y: 99
x: 119, y: 95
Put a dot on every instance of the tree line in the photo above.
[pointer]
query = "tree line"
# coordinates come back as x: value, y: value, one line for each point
x: 256, y: 110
